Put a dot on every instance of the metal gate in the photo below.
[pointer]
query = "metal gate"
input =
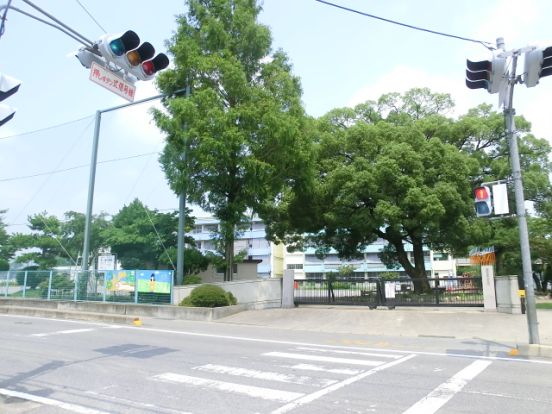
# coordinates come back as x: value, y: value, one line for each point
x: 377, y: 291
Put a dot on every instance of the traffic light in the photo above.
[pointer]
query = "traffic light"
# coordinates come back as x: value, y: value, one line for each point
x: 483, y: 202
x: 126, y: 52
x: 538, y: 63
x: 487, y: 74
x: 8, y: 86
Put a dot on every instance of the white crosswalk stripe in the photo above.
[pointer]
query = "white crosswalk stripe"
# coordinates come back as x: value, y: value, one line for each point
x: 335, y: 360
x: 252, y: 391
x: 265, y: 375
x: 335, y: 370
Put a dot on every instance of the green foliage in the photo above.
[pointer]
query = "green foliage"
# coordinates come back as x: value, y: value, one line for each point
x: 58, y: 282
x: 57, y: 242
x: 34, y: 278
x: 192, y: 279
x: 242, y: 127
x: 231, y: 298
x: 6, y: 247
x: 208, y: 296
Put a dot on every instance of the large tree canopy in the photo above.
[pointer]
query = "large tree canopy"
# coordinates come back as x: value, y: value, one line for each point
x: 401, y: 170
x: 6, y: 248
x: 237, y: 140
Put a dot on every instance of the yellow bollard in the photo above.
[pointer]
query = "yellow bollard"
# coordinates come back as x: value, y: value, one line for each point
x: 137, y: 322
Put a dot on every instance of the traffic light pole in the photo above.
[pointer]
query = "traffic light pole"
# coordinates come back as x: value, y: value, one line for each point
x: 181, y: 217
x: 92, y: 178
x: 509, y: 113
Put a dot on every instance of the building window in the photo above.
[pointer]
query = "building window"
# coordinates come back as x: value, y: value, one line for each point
x: 298, y: 266
x: 211, y: 228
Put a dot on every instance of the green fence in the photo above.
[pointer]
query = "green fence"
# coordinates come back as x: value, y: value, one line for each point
x: 132, y: 286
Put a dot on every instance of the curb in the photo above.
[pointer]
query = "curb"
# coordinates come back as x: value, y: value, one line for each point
x: 67, y: 314
x: 535, y: 350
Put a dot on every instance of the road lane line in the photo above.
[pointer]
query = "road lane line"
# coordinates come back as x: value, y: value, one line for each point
x: 319, y: 358
x: 65, y: 332
x: 315, y: 395
x: 265, y: 375
x: 48, y: 401
x: 252, y: 391
x: 444, y: 392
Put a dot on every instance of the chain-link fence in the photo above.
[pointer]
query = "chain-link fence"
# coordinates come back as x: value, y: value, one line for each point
x: 134, y: 286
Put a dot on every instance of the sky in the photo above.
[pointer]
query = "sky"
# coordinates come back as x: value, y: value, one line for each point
x: 342, y: 59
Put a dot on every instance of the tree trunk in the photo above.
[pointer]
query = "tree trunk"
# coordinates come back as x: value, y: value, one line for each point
x: 417, y: 271
x: 229, y: 253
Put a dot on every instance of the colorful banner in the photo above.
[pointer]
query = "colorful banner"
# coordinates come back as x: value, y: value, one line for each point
x: 148, y: 281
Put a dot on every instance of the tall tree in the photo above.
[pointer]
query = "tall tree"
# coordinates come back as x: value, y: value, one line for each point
x: 6, y: 247
x: 54, y: 242
x: 238, y: 140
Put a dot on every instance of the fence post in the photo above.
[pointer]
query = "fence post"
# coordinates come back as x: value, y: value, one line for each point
x: 25, y: 284
x: 7, y: 283
x: 75, y: 288
x: 50, y: 285
x: 135, y: 287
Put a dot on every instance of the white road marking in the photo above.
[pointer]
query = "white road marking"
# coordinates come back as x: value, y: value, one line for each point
x: 320, y: 368
x: 265, y: 375
x: 252, y: 391
x: 305, y: 357
x: 280, y: 342
x: 315, y: 395
x: 337, y: 351
x: 444, y: 392
x: 152, y: 408
x: 68, y: 331
x: 48, y: 401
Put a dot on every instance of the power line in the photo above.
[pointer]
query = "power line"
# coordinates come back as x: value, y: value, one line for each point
x: 488, y: 45
x: 46, y: 128
x: 76, y: 167
x: 92, y: 17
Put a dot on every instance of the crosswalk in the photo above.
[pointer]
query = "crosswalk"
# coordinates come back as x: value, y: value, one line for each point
x: 311, y: 373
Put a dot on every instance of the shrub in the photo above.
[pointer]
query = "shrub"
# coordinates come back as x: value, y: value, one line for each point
x: 192, y: 280
x: 208, y: 296
x: 231, y: 298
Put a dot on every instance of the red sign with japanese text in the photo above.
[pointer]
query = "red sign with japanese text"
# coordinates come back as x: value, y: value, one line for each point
x: 111, y: 81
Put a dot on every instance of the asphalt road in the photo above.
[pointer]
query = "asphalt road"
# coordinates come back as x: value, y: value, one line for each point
x: 59, y: 366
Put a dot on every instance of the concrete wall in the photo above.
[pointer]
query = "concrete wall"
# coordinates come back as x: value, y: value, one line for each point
x: 507, y: 294
x: 247, y: 270
x: 254, y: 294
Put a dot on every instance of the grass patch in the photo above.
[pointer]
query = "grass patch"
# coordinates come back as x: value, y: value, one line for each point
x: 546, y: 305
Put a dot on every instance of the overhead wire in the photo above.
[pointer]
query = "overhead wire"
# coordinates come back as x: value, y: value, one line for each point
x: 92, y: 17
x: 488, y: 45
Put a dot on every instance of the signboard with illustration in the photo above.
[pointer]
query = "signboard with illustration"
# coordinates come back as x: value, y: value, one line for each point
x: 148, y: 281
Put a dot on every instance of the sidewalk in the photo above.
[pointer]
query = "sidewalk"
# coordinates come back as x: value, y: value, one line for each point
x: 458, y: 323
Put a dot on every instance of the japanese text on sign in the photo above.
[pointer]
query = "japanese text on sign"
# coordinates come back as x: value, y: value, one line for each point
x: 111, y: 81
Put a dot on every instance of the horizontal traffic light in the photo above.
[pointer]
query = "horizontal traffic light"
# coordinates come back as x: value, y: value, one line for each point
x: 8, y: 86
x: 487, y: 74
x: 538, y: 64
x: 126, y: 52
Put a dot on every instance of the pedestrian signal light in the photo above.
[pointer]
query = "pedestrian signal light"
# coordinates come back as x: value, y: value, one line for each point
x: 483, y: 202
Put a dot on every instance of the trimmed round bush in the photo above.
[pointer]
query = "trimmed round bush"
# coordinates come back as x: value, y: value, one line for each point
x: 207, y: 296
